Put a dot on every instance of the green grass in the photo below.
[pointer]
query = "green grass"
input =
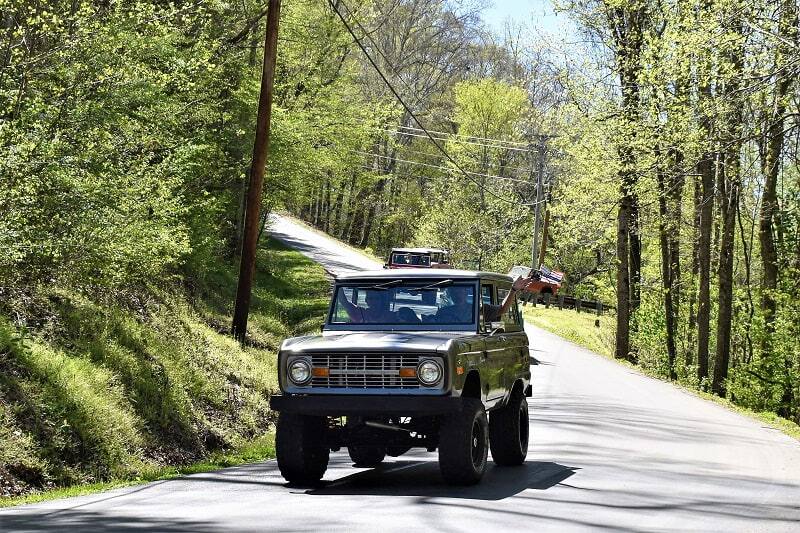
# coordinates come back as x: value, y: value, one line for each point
x: 259, y: 449
x: 128, y: 389
x: 580, y: 329
x: 576, y: 327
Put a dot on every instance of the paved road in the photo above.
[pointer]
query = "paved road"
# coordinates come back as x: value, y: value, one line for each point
x: 336, y: 259
x: 610, y: 450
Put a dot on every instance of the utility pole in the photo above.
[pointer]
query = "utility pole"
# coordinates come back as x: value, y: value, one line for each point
x: 537, y: 217
x: 247, y: 265
x: 545, y: 230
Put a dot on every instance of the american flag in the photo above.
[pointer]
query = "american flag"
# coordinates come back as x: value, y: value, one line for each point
x: 550, y: 276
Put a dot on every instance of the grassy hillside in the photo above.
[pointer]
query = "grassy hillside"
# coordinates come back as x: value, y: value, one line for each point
x: 576, y: 327
x: 117, y: 390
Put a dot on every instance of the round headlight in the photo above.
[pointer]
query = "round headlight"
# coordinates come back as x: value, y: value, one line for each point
x: 429, y: 372
x: 299, y: 371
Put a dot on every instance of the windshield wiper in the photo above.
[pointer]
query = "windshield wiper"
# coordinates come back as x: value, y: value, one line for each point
x: 442, y: 283
x: 382, y: 286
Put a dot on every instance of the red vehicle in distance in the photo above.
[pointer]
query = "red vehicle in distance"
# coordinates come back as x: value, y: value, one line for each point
x: 418, y: 258
x: 546, y: 281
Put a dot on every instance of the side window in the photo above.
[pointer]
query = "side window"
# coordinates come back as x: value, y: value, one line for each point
x: 487, y: 294
x: 511, y: 318
x: 487, y: 298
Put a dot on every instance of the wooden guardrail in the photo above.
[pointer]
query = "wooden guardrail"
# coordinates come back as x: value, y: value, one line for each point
x: 562, y: 301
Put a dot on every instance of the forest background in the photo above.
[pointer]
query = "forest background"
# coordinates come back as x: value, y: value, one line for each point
x: 667, y: 139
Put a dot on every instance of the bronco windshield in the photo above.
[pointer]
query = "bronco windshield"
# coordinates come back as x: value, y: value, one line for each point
x: 399, y: 302
x: 411, y: 259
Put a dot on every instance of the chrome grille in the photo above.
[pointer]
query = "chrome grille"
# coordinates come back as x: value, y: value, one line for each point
x: 366, y: 370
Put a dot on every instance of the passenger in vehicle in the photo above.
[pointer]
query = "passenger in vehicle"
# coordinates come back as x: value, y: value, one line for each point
x: 493, y: 313
x: 460, y: 312
x: 376, y: 312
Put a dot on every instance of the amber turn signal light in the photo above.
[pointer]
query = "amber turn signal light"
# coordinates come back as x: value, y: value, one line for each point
x: 320, y: 372
x: 408, y: 372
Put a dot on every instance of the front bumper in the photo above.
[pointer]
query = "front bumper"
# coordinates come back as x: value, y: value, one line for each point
x: 364, y: 405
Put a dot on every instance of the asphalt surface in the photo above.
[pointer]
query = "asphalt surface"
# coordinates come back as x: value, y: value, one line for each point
x: 610, y: 450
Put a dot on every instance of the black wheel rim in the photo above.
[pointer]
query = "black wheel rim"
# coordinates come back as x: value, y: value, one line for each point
x: 477, y: 444
x: 524, y: 427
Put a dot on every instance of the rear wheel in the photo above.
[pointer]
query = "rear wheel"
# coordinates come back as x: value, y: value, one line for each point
x: 464, y: 444
x: 300, y: 448
x: 509, y: 431
x: 366, y: 456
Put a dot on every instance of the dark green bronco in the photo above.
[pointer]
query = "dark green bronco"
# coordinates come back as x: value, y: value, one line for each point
x: 434, y: 359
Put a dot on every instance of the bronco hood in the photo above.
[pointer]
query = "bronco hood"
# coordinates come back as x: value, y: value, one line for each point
x: 336, y: 341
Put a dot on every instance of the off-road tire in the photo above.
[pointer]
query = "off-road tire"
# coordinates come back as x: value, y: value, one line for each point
x: 366, y: 456
x: 396, y: 451
x: 300, y: 448
x: 509, y: 431
x: 464, y: 444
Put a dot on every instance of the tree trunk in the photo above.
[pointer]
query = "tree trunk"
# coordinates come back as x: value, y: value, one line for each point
x: 336, y: 212
x: 349, y: 213
x: 706, y: 171
x: 317, y: 206
x: 622, y: 350
x: 729, y: 180
x: 237, y: 245
x: 373, y: 212
x: 627, y: 24
x: 730, y: 198
x: 357, y: 217
x: 635, y: 240
x: 666, y: 271
x: 327, y: 203
x: 788, y: 31
x: 545, y: 232
x: 677, y: 184
x: 692, y: 325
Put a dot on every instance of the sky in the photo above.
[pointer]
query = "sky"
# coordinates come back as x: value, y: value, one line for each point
x: 537, y: 13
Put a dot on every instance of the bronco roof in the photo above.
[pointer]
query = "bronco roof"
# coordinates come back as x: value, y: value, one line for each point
x: 423, y: 273
x: 418, y: 250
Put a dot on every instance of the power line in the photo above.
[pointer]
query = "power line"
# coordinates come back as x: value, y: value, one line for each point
x: 520, y: 143
x: 444, y: 136
x: 440, y: 167
x: 404, y: 149
x: 418, y: 176
x: 407, y: 108
x: 497, y: 147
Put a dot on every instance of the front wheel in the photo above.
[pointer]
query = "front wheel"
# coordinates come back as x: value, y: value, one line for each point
x: 300, y: 448
x: 464, y: 444
x: 509, y: 431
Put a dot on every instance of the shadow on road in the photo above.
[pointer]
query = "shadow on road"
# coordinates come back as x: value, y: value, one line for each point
x: 418, y: 478
x: 82, y: 520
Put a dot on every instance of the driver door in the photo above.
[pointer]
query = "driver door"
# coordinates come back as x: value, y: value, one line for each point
x: 494, y: 350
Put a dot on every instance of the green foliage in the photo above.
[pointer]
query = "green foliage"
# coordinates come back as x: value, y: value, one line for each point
x: 114, y: 391
x: 678, y: 104
x: 480, y: 220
